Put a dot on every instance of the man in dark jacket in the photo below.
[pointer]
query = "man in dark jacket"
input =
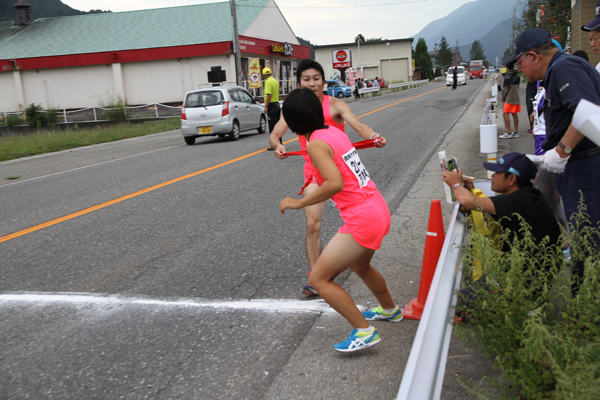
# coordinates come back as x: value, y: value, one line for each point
x: 454, y: 77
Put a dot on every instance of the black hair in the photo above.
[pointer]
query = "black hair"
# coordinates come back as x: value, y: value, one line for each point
x: 510, y: 66
x: 582, y: 54
x: 306, y: 64
x: 520, y: 182
x: 303, y: 111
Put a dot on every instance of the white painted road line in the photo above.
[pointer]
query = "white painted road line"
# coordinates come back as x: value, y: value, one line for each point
x: 88, y: 299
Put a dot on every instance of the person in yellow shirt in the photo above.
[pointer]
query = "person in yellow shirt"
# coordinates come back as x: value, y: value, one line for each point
x: 272, y: 108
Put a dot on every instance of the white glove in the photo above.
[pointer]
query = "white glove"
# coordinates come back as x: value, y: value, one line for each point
x: 553, y: 162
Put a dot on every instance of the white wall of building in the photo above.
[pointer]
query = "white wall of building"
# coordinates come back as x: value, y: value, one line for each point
x: 374, y: 58
x: 92, y: 86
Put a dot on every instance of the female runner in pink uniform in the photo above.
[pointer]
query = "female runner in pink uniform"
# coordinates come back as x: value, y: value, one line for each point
x: 342, y: 177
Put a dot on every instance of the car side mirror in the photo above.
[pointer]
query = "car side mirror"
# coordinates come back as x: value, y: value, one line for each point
x: 256, y: 100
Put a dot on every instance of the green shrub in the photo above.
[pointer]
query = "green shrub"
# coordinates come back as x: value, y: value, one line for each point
x: 52, y: 116
x: 13, y: 120
x: 114, y: 110
x: 35, y: 117
x: 545, y: 342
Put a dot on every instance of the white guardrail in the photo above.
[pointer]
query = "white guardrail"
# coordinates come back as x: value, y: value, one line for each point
x: 408, y: 84
x: 424, y: 373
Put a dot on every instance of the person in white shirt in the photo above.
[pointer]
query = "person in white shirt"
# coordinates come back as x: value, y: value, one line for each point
x: 593, y: 28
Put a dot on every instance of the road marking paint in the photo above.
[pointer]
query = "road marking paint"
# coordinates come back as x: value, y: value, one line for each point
x: 152, y: 188
x: 100, y: 300
x: 120, y: 199
x: 88, y: 166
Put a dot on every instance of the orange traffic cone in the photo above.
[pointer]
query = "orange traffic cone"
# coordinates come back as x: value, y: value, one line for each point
x: 433, y: 247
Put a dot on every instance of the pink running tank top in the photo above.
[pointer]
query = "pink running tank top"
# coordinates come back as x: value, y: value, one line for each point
x: 358, y: 186
x: 328, y: 121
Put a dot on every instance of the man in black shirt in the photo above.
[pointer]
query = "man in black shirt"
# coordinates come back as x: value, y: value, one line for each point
x: 512, y: 179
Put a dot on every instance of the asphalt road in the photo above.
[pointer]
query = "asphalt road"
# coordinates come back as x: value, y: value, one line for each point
x: 151, y: 269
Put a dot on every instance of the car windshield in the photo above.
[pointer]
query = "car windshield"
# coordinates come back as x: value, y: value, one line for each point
x: 204, y: 99
x: 476, y: 68
x: 459, y: 70
x: 337, y: 83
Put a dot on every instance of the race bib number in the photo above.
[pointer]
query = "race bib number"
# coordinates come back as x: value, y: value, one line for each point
x: 353, y: 161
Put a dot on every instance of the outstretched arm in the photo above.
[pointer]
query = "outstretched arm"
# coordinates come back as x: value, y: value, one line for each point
x: 276, y: 135
x: 321, y: 155
x: 364, y: 131
x: 464, y: 196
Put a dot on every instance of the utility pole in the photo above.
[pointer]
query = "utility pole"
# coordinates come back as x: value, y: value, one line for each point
x: 236, y: 47
x: 456, y: 52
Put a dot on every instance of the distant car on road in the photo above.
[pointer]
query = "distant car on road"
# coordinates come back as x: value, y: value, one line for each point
x: 337, y: 88
x: 461, y: 76
x: 220, y: 111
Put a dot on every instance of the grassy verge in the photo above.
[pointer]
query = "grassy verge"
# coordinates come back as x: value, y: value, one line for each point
x: 18, y: 146
x: 545, y: 341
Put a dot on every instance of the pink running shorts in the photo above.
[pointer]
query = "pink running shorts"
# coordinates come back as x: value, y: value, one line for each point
x: 367, y: 222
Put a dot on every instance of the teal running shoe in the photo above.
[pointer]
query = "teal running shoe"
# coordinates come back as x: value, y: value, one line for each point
x: 378, y: 314
x: 358, y: 341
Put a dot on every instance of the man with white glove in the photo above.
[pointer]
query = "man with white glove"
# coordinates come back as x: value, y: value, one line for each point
x: 576, y: 159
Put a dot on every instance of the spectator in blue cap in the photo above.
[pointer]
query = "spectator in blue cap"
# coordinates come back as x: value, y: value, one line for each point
x: 594, y: 33
x: 512, y: 179
x: 575, y: 159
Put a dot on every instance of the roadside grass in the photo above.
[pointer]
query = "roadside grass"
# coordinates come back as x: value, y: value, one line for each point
x: 17, y: 146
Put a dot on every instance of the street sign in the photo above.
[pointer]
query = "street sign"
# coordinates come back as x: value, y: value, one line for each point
x: 342, y: 58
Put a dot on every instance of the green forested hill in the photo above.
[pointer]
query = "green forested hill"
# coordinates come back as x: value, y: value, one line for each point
x: 41, y: 9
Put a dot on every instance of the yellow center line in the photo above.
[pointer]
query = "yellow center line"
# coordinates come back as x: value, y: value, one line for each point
x: 150, y: 189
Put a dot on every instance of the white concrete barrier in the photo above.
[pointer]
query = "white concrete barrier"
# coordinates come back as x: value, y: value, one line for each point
x: 424, y: 373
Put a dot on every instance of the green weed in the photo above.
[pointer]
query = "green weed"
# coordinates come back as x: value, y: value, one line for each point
x: 545, y: 341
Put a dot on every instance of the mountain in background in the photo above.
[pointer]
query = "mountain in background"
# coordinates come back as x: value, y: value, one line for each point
x: 41, y: 9
x: 488, y: 21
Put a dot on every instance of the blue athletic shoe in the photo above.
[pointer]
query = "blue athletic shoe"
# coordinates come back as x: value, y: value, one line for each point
x: 358, y: 341
x: 308, y: 290
x: 378, y: 314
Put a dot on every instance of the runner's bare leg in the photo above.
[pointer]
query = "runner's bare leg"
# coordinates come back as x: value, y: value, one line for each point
x: 314, y: 215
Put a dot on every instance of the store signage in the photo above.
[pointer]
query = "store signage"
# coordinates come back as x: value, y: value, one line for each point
x: 342, y: 58
x: 287, y: 49
x: 254, y: 73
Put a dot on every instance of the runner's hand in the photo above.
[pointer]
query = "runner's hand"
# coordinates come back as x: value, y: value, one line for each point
x: 280, y: 152
x: 289, y: 203
x: 382, y: 143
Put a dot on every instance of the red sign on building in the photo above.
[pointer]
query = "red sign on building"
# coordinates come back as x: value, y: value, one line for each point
x: 342, y: 58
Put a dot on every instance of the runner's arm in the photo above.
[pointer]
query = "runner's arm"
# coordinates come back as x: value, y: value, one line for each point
x: 364, y: 131
x: 322, y: 156
x: 277, y: 134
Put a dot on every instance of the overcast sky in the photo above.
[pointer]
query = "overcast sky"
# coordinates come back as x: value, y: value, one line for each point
x: 323, y: 22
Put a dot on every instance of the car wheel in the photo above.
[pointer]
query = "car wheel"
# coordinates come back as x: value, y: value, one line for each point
x: 262, y: 126
x: 189, y: 140
x: 340, y: 95
x: 235, y: 132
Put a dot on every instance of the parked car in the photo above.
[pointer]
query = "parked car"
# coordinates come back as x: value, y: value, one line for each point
x: 220, y: 111
x: 337, y: 88
x: 381, y: 83
x: 368, y: 83
x: 462, y: 75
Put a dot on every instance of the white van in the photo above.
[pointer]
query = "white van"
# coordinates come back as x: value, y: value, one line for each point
x: 461, y: 76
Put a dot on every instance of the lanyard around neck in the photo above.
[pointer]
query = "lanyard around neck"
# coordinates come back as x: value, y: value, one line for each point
x: 543, y: 100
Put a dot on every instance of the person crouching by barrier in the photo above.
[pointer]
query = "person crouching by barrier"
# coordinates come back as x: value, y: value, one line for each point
x: 344, y: 179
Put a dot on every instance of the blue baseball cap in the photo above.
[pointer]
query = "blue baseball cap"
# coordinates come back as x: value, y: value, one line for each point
x: 528, y: 40
x: 595, y: 24
x: 514, y: 163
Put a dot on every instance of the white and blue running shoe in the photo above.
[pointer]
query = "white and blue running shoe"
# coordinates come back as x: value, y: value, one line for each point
x: 379, y: 314
x: 358, y: 341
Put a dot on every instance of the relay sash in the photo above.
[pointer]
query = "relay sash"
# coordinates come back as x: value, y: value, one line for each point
x: 363, y: 144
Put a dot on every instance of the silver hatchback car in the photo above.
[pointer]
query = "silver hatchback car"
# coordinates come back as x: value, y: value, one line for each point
x: 220, y: 111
